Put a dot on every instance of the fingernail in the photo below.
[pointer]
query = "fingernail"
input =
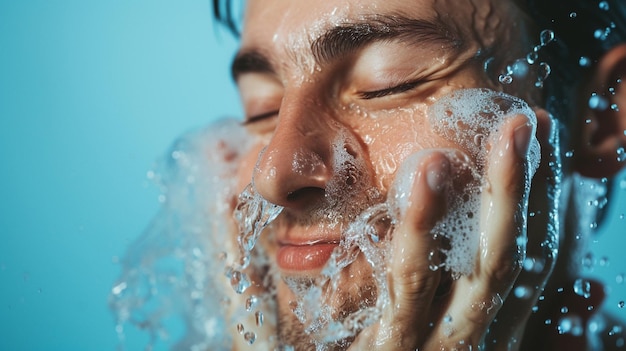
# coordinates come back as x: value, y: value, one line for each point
x: 522, y: 136
x: 436, y: 174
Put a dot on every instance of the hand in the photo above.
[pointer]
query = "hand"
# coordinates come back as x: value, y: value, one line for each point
x: 417, y: 318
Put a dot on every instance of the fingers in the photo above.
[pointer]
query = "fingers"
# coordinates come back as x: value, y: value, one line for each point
x: 415, y: 318
x: 412, y: 283
x: 512, y: 318
x: 478, y: 297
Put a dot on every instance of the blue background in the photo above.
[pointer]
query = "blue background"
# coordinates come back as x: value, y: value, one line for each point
x: 91, y: 92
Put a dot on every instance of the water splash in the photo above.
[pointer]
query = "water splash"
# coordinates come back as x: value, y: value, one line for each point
x: 173, y: 271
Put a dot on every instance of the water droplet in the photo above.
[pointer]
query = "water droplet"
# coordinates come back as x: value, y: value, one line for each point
x: 251, y: 302
x: 604, y: 261
x: 588, y: 261
x: 619, y: 279
x: 119, y: 288
x: 546, y: 37
x: 259, y: 318
x: 542, y: 74
x: 582, y: 288
x: 615, y: 330
x: 598, y: 103
x: 447, y: 319
x: 603, y: 5
x: 478, y: 139
x: 584, y: 61
x: 240, y: 328
x: 570, y: 325
x: 621, y: 304
x: 621, y: 154
x: 239, y: 281
x: 505, y: 79
x: 522, y: 292
x: 250, y: 337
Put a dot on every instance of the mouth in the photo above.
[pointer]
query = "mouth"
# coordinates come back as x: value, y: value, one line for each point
x: 305, y: 256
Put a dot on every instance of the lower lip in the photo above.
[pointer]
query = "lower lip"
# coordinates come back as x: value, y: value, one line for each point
x: 304, y: 257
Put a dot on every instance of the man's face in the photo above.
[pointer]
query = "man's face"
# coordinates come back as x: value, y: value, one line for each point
x: 336, y: 95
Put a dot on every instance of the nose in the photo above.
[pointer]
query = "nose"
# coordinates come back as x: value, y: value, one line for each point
x: 295, y: 168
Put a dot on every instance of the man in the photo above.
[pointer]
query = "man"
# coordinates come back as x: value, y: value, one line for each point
x: 339, y: 94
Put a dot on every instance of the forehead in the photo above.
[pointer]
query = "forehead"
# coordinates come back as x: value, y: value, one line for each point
x: 297, y: 23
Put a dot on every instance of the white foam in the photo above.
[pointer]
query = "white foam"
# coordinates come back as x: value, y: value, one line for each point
x: 469, y: 116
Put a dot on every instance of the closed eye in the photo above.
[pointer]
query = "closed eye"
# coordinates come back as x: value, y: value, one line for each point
x: 401, y: 88
x: 259, y: 118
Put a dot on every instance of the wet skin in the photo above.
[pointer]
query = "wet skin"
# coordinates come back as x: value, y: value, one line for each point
x: 307, y: 86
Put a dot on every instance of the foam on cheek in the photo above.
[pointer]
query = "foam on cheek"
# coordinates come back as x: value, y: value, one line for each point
x: 461, y: 221
x: 469, y: 116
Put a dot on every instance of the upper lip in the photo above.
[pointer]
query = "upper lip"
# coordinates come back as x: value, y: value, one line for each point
x: 295, y: 235
x: 309, y: 242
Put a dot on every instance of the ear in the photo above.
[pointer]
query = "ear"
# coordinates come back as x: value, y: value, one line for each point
x: 600, y: 152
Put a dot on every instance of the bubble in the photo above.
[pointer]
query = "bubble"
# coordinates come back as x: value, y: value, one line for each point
x: 240, y: 328
x: 604, y: 261
x: 240, y: 282
x: 615, y: 330
x: 619, y: 279
x: 505, y: 79
x: 571, y: 325
x: 603, y: 5
x: 582, y: 288
x: 522, y: 292
x: 251, y: 302
x: 621, y: 154
x: 614, y: 107
x: 119, y: 288
x: 250, y: 337
x: 584, y: 61
x: 598, y: 103
x: 564, y: 310
x: 542, y: 74
x: 532, y: 57
x: 573, y: 14
x: 621, y: 304
x: 259, y: 318
x: 569, y: 154
x: 546, y: 37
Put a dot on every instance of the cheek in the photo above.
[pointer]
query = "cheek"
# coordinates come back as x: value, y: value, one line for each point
x: 392, y: 138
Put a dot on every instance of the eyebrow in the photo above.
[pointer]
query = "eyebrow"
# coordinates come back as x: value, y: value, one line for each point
x: 345, y: 39
x: 348, y: 38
